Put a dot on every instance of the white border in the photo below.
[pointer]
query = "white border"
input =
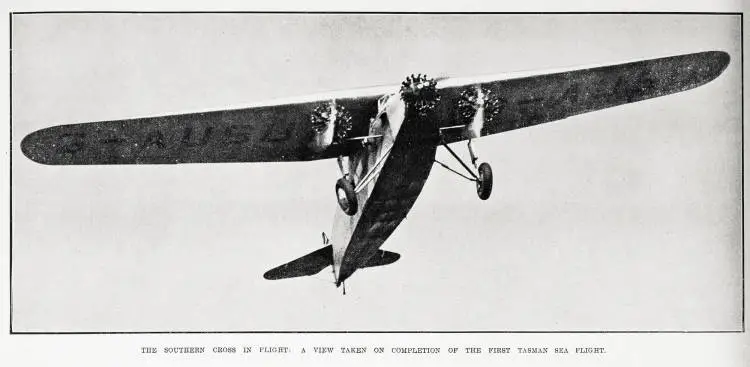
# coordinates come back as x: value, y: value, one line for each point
x: 622, y: 349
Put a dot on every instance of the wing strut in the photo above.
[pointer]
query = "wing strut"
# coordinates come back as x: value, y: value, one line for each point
x: 454, y: 171
x: 483, y: 176
x: 475, y: 179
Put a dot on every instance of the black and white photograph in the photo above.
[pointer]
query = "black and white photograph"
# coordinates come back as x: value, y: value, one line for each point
x: 369, y: 172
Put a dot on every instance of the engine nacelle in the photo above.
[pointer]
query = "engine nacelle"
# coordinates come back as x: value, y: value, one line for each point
x: 476, y: 106
x: 331, y: 124
x: 420, y: 93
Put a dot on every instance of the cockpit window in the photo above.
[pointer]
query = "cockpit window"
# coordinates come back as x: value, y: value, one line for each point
x: 383, y: 100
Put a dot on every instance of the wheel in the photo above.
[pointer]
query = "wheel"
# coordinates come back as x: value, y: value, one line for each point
x: 484, y: 186
x: 346, y: 197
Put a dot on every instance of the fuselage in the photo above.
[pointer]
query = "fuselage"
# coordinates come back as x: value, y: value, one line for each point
x: 389, y: 176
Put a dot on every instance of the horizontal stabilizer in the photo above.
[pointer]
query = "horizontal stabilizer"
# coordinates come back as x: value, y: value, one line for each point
x: 381, y: 258
x: 309, y: 264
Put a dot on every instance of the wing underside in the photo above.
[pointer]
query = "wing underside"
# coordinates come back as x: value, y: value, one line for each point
x: 286, y: 132
x: 274, y: 133
x: 532, y: 100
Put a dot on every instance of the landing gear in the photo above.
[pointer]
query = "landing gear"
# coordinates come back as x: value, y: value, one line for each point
x: 484, y: 184
x: 345, y: 196
x: 472, y: 154
x: 483, y: 177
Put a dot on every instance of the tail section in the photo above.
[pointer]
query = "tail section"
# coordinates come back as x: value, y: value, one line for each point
x: 381, y: 258
x: 314, y: 262
x: 310, y: 264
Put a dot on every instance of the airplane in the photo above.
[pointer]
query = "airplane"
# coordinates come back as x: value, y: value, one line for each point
x: 384, y: 139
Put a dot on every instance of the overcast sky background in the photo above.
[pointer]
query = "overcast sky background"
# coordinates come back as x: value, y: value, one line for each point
x: 623, y: 219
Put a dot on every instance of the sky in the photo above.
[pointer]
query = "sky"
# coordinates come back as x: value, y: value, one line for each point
x: 623, y: 219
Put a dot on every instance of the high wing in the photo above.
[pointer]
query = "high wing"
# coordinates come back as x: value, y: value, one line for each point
x: 286, y: 131
x: 520, y: 101
x: 272, y: 132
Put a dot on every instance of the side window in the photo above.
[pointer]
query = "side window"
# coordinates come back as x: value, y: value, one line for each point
x: 382, y: 101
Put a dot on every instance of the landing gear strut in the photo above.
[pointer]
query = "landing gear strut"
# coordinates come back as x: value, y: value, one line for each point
x: 473, y: 155
x: 483, y: 177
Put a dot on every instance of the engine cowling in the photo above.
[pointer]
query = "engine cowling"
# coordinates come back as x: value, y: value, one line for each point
x: 476, y: 106
x: 420, y: 93
x: 331, y: 124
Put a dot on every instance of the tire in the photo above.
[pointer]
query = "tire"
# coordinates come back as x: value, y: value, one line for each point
x: 484, y: 186
x: 346, y: 197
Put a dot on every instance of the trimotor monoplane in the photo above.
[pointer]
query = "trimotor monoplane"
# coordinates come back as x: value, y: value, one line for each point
x: 383, y: 138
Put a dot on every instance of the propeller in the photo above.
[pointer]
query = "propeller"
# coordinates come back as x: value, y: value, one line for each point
x: 332, y: 114
x: 473, y: 98
x: 320, y: 118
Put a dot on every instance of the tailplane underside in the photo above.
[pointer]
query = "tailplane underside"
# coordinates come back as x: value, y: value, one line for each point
x: 310, y: 264
x: 381, y: 258
x: 314, y: 262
